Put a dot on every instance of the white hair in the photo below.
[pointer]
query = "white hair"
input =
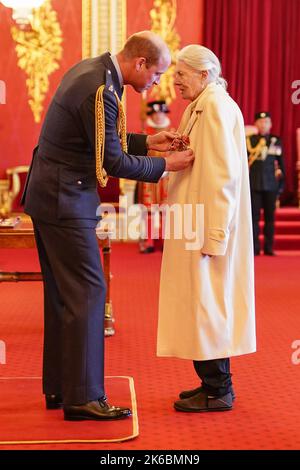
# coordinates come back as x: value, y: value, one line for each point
x: 201, y: 58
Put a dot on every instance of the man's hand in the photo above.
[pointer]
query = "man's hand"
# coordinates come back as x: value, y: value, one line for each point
x: 176, y: 161
x: 162, y: 141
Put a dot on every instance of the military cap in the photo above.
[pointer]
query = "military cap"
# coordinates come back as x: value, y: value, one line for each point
x: 157, y: 107
x: 261, y: 115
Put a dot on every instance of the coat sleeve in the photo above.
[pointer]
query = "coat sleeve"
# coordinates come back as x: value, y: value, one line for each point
x: 280, y: 158
x: 137, y: 144
x: 280, y: 162
x: 116, y: 162
x: 221, y: 170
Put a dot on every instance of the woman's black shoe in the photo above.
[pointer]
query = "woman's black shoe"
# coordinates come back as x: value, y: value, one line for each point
x: 147, y: 250
x: 53, y: 402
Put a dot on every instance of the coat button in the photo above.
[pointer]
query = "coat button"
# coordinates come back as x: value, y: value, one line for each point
x: 79, y: 182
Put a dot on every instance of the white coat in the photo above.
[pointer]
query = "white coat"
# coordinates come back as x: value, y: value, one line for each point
x: 206, y: 304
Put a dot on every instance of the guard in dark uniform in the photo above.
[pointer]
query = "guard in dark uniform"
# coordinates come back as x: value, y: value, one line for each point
x: 149, y: 193
x: 266, y: 169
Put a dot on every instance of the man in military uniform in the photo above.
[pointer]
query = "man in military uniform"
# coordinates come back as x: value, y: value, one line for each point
x: 266, y: 169
x: 83, y: 139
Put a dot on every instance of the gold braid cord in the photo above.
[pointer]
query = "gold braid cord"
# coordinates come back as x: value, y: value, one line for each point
x: 101, y: 174
x: 254, y: 152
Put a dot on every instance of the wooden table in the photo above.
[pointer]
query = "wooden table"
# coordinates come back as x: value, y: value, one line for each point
x: 22, y: 236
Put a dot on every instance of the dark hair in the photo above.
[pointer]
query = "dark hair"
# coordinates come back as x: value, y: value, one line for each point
x: 139, y: 46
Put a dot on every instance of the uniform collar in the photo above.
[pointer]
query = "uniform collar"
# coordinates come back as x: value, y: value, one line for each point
x: 117, y: 67
x: 106, y: 59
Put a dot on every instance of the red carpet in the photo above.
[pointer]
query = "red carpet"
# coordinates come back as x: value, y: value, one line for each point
x: 28, y: 422
x: 267, y: 383
x: 287, y: 229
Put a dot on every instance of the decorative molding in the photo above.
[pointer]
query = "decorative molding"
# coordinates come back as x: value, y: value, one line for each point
x: 86, y: 28
x: 39, y: 50
x: 103, y: 26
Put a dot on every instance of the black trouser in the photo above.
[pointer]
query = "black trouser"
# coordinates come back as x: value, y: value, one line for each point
x: 74, y: 302
x: 215, y: 375
x: 267, y: 201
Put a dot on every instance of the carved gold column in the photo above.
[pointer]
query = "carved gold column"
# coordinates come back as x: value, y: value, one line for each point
x: 163, y: 17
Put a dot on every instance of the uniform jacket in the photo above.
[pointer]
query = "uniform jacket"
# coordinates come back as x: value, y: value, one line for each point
x: 206, y: 305
x: 61, y: 186
x: 262, y: 171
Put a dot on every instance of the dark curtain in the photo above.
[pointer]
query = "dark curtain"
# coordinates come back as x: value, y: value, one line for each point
x: 258, y: 43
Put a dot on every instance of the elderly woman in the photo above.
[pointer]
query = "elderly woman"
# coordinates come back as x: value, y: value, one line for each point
x: 206, y: 307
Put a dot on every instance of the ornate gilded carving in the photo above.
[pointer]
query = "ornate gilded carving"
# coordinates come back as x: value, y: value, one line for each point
x: 6, y: 199
x: 163, y: 17
x: 39, y: 50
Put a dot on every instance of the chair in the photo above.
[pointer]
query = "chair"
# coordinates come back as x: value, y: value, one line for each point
x: 111, y: 192
x: 17, y: 178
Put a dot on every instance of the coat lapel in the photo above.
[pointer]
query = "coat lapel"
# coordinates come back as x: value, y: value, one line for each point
x: 193, y: 110
x: 189, y: 118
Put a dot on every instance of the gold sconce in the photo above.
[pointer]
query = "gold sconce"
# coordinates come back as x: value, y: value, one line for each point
x: 22, y: 9
x: 38, y: 40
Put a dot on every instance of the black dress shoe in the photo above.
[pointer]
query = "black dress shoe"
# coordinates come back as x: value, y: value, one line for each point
x: 147, y: 250
x: 53, y: 402
x: 95, y: 410
x: 190, y: 393
x: 202, y: 402
x: 269, y: 253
